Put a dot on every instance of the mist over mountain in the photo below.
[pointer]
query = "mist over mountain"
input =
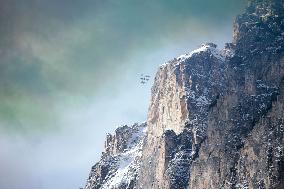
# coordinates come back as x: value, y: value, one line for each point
x: 69, y: 73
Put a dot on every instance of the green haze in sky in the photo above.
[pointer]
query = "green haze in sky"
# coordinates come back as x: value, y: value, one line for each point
x: 55, y: 52
x: 69, y: 73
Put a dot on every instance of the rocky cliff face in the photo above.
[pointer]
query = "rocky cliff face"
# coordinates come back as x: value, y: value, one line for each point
x: 216, y: 117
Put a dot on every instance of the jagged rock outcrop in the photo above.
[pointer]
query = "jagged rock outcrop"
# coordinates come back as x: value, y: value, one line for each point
x: 120, y: 162
x: 216, y: 117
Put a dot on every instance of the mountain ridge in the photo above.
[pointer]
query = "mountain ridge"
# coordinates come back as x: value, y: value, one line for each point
x: 215, y: 118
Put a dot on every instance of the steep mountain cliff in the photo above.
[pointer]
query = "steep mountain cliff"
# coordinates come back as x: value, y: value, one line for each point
x: 216, y: 117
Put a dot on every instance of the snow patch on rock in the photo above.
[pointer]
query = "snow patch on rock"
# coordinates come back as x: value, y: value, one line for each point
x: 127, y: 162
x: 119, y: 167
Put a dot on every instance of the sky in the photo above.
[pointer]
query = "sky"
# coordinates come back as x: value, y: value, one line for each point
x: 69, y: 74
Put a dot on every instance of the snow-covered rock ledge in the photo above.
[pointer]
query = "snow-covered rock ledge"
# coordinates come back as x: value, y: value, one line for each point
x: 220, y: 54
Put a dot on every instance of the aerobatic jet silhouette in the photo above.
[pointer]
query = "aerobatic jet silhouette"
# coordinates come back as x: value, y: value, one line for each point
x: 144, y: 79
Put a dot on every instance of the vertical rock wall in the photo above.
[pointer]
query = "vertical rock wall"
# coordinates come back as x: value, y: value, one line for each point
x: 229, y: 103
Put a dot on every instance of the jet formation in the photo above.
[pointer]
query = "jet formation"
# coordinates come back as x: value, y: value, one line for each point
x: 144, y: 79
